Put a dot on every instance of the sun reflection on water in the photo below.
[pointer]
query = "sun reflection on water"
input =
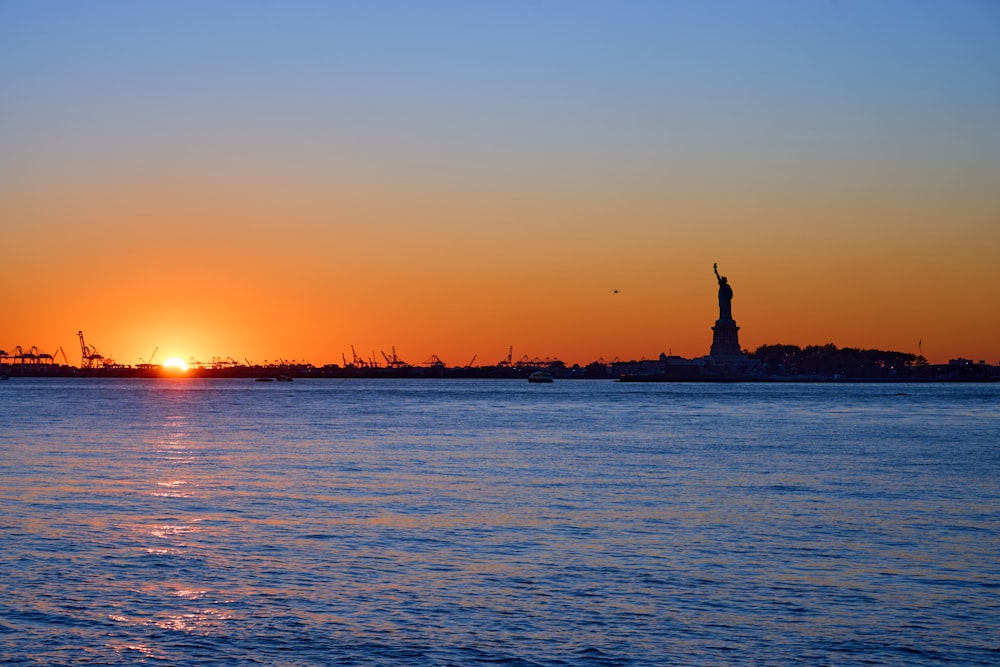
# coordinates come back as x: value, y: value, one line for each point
x: 172, y: 598
x: 200, y: 621
x: 143, y: 650
x: 174, y: 492
x: 169, y: 531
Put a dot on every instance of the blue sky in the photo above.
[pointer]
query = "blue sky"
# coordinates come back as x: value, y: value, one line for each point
x: 765, y: 78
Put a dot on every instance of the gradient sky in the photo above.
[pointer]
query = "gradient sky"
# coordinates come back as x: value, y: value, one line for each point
x: 281, y: 180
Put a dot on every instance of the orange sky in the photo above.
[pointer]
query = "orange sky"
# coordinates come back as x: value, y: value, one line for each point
x: 276, y: 197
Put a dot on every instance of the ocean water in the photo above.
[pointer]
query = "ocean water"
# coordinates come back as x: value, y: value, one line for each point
x: 454, y: 522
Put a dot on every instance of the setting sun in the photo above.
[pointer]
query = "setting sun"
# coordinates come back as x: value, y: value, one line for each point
x: 175, y: 363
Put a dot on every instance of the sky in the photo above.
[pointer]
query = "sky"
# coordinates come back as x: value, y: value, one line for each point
x: 269, y: 181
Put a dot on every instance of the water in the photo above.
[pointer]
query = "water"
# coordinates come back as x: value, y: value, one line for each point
x: 354, y: 522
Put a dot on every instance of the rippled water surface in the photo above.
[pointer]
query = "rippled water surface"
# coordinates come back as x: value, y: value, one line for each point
x: 353, y: 522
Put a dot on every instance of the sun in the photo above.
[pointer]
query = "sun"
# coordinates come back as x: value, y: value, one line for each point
x: 175, y: 363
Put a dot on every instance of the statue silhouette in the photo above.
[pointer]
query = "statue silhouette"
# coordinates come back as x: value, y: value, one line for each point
x: 725, y: 296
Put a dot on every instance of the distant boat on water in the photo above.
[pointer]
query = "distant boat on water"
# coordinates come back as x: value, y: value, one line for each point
x: 540, y: 376
x: 279, y: 378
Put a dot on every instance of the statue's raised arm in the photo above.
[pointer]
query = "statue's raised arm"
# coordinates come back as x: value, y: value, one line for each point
x: 715, y: 267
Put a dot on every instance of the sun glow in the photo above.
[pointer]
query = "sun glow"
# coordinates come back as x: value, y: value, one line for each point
x: 175, y: 363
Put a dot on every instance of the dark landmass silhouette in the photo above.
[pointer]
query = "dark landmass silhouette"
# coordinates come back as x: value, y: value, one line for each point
x: 769, y: 363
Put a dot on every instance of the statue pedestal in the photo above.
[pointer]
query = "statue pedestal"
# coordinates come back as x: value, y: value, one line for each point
x: 725, y: 341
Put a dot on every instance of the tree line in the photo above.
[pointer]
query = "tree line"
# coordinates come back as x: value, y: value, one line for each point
x: 830, y: 360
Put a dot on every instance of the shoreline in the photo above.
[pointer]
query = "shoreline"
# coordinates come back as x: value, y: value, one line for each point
x: 930, y: 374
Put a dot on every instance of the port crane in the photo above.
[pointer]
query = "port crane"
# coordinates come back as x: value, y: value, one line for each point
x: 30, y: 356
x: 89, y: 356
x: 434, y: 361
x: 393, y: 361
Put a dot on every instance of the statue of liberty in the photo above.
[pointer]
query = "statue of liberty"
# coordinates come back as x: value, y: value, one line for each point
x: 725, y: 297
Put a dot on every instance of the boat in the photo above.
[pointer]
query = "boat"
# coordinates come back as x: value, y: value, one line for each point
x: 264, y: 379
x: 540, y: 376
x: 284, y: 378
